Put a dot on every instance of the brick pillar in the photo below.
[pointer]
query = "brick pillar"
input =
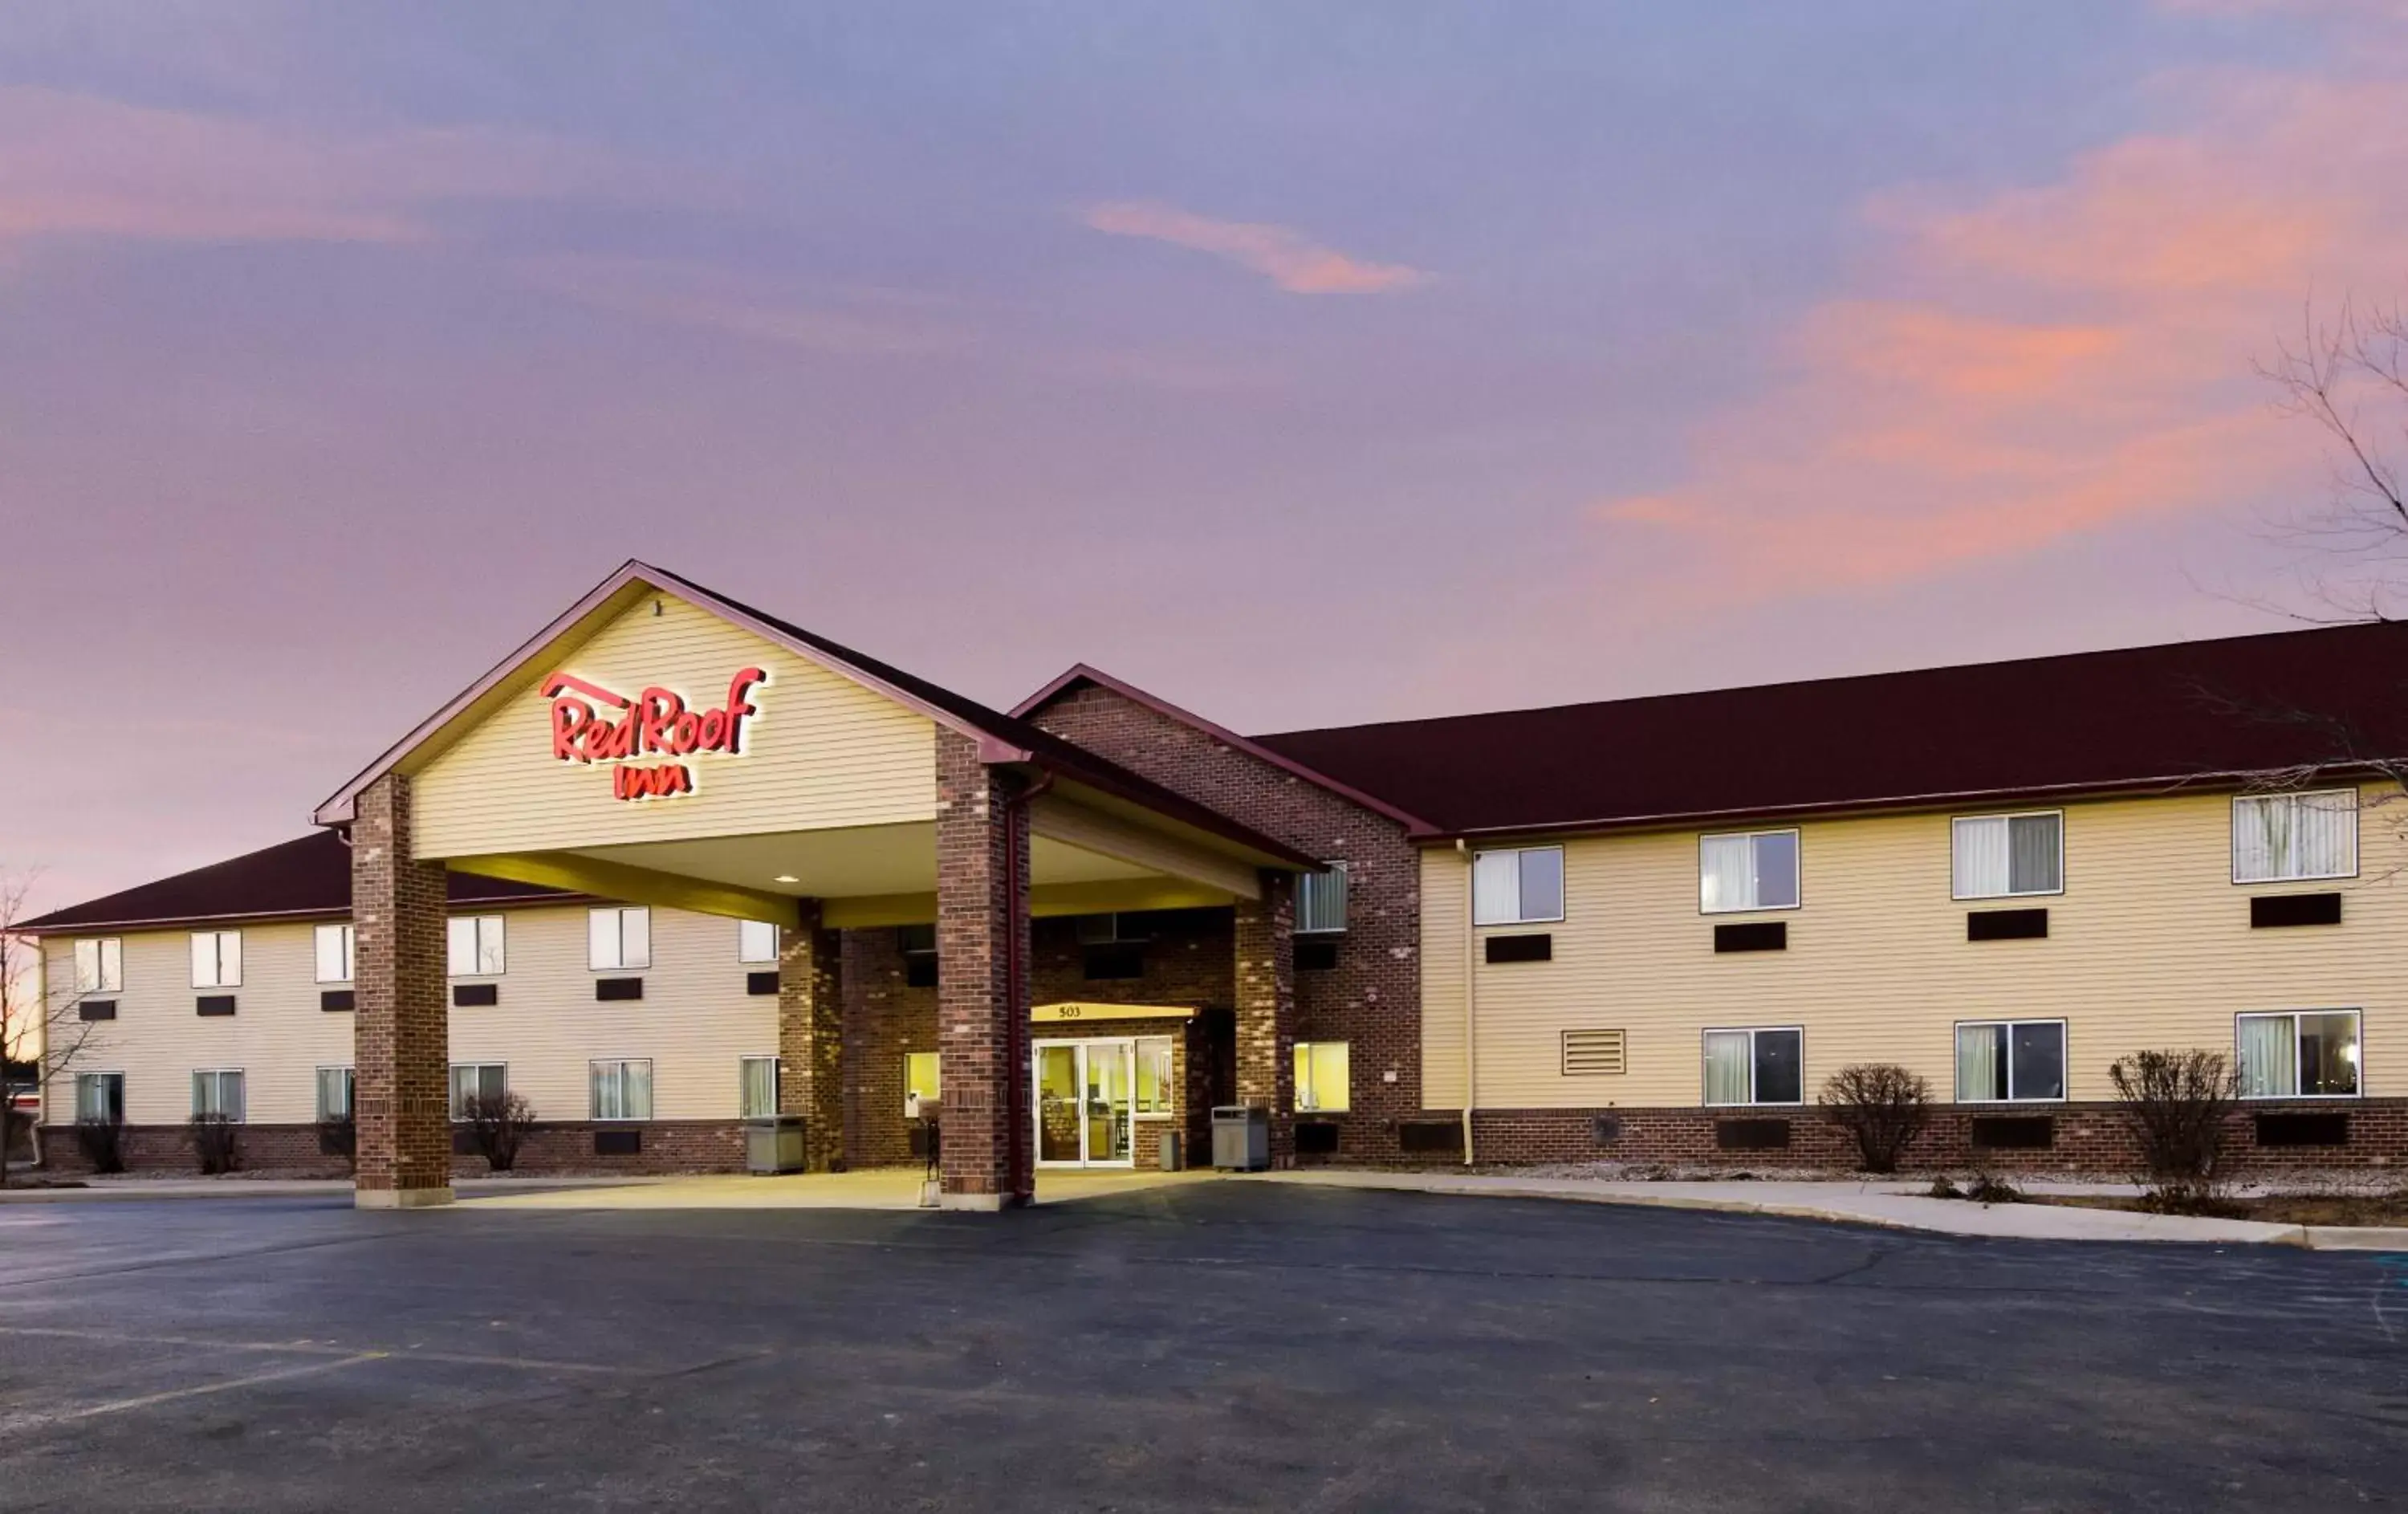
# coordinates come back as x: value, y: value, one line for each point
x: 401, y: 1023
x: 981, y: 978
x: 1266, y: 988
x: 810, y: 1035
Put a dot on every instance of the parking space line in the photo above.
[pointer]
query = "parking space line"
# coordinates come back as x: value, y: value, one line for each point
x: 120, y: 1406
x: 304, y: 1348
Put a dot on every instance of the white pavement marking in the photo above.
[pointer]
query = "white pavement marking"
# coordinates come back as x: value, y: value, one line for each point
x: 120, y: 1406
x: 310, y: 1347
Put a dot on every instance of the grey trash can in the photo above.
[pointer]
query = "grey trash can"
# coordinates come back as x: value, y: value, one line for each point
x: 1241, y: 1138
x: 773, y: 1144
x: 1173, y: 1156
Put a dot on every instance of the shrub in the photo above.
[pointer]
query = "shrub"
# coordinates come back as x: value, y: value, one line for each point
x: 496, y: 1124
x: 339, y: 1135
x: 102, y: 1143
x: 1883, y: 1106
x: 2179, y: 1106
x: 217, y: 1144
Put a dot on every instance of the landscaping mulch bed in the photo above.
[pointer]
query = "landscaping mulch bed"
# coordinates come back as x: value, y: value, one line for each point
x: 2384, y: 1209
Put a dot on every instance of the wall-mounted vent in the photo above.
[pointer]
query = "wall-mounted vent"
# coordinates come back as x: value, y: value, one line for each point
x: 1593, y: 1054
x: 758, y: 984
x: 1315, y: 956
x: 97, y: 1009
x: 618, y: 1142
x: 2321, y: 1128
x: 213, y: 1004
x: 1430, y: 1137
x: 1523, y: 948
x: 1316, y: 1138
x: 608, y: 989
x: 1115, y: 963
x: 2274, y: 910
x: 338, y: 1001
x: 1605, y: 1129
x: 1753, y: 935
x: 1752, y: 1134
x: 476, y: 995
x: 2006, y: 925
x: 2013, y: 1133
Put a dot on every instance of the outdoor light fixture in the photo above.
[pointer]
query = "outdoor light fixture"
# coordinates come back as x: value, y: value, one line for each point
x: 785, y: 877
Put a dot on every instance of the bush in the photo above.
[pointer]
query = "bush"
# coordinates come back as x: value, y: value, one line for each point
x: 496, y: 1124
x: 2179, y: 1107
x: 339, y: 1135
x: 1882, y: 1105
x: 217, y: 1144
x: 102, y: 1143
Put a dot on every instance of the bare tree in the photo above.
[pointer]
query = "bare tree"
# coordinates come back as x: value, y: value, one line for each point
x: 2350, y: 377
x: 41, y: 1019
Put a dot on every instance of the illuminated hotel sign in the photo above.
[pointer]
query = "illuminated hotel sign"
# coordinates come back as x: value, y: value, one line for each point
x: 591, y: 724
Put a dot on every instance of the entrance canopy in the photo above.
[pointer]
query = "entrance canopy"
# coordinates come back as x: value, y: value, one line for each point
x: 663, y: 744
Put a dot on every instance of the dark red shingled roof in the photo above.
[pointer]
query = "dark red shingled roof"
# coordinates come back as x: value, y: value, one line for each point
x: 308, y: 876
x: 2193, y: 711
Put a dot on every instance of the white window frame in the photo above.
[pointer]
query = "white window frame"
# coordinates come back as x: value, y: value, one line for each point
x: 221, y: 1074
x: 2293, y: 1016
x: 1317, y: 1107
x: 1166, y: 1090
x: 453, y: 1068
x: 348, y: 950
x: 217, y: 940
x: 1562, y: 888
x: 1336, y: 870
x: 476, y: 925
x: 2065, y: 1051
x: 651, y: 1100
x: 1955, y: 820
x: 743, y: 948
x: 1752, y: 1031
x: 107, y: 973
x: 743, y: 1066
x: 908, y: 1053
x: 98, y: 1073
x: 1798, y: 853
x: 2357, y: 806
x: 619, y: 912
x: 351, y: 1090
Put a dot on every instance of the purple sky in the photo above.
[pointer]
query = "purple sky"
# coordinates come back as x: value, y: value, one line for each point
x: 1307, y: 365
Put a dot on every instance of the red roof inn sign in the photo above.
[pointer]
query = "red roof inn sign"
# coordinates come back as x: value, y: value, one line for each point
x: 655, y: 723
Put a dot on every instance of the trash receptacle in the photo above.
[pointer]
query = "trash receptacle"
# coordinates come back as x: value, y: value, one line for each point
x: 773, y: 1144
x: 1172, y: 1152
x: 1241, y: 1138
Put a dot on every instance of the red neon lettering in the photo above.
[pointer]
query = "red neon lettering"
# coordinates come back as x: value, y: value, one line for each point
x: 570, y: 718
x: 656, y: 722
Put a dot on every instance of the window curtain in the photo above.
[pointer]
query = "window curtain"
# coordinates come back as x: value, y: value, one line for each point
x: 1726, y: 1067
x: 1981, y: 863
x: 2279, y: 836
x: 334, y: 1093
x: 1725, y: 873
x: 2034, y: 854
x: 1981, y: 1072
x: 1321, y: 900
x: 1496, y: 887
x: 623, y: 1090
x: 2270, y: 1057
x: 760, y: 1087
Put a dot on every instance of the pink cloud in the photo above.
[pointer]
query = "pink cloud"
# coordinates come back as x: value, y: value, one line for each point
x: 1287, y: 258
x: 2051, y: 361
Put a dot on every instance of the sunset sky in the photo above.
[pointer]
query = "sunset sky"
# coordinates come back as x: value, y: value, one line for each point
x: 1306, y: 364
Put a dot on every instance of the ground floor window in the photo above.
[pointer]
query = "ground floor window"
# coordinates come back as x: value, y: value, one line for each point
x: 477, y: 1080
x: 759, y: 1075
x: 2008, y: 1060
x: 218, y: 1091
x: 101, y: 1096
x: 622, y: 1090
x: 1321, y: 1078
x: 336, y: 1086
x: 921, y: 1071
x: 2310, y: 1054
x: 1755, y: 1067
x: 1155, y: 1082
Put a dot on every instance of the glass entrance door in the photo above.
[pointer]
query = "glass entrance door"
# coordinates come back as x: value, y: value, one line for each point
x: 1083, y: 1102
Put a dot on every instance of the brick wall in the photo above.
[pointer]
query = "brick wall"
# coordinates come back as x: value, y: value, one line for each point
x: 1371, y: 999
x: 811, y: 1036
x: 885, y: 1019
x: 292, y: 1150
x: 401, y: 1022
x: 981, y: 884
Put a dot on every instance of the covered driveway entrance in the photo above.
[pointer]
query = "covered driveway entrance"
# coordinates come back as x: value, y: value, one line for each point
x: 661, y: 745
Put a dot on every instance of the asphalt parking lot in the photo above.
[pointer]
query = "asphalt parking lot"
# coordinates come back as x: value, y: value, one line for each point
x: 1218, y: 1345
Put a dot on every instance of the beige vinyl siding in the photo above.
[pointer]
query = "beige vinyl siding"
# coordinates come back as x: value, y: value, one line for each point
x: 694, y: 1022
x: 824, y: 751
x: 277, y: 1035
x: 2148, y: 946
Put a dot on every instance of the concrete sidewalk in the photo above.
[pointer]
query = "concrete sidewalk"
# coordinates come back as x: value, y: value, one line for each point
x: 1874, y: 1202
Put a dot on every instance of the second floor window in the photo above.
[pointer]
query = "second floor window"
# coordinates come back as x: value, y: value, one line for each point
x: 476, y: 947
x: 2278, y: 837
x: 335, y: 944
x: 1521, y: 887
x: 1995, y: 855
x: 217, y: 958
x: 756, y: 941
x: 617, y: 940
x: 1753, y: 871
x: 1321, y: 901
x: 100, y: 965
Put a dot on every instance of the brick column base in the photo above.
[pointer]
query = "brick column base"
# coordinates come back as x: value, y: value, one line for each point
x: 811, y: 1036
x: 401, y: 1030
x: 981, y: 977
x: 1265, y: 993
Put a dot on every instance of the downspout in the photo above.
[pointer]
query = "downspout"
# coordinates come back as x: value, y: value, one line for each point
x: 1470, y: 999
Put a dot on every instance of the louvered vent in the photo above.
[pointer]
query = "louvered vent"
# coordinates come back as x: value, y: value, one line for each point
x: 1590, y: 1053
